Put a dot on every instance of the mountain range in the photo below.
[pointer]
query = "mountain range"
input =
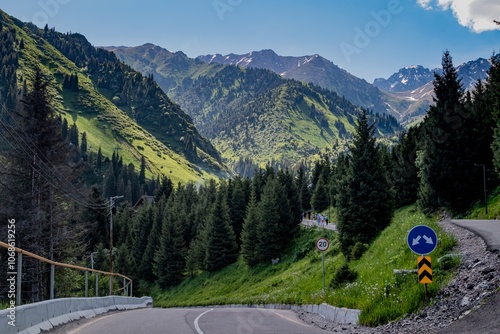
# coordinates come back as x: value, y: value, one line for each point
x: 415, y: 83
x: 188, y: 115
x: 250, y: 112
x: 118, y: 108
x: 414, y: 77
x: 406, y: 94
x: 317, y: 70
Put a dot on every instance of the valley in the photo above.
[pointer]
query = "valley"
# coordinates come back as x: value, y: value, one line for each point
x: 192, y: 175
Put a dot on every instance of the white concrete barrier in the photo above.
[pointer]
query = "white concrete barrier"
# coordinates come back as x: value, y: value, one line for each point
x: 33, y: 318
x: 339, y: 315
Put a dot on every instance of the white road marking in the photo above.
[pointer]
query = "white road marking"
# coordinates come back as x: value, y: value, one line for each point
x: 290, y: 319
x: 196, y: 325
x: 77, y: 330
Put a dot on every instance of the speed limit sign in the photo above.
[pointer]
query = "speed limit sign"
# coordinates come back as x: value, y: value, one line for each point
x: 322, y: 244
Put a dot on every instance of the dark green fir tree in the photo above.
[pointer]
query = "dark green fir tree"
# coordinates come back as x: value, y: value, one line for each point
x: 221, y: 246
x: 364, y: 202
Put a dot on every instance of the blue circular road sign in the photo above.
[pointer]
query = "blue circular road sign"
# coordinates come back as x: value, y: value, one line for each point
x: 422, y: 239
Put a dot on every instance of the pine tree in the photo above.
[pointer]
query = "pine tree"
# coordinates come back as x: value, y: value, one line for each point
x: 35, y: 193
x: 98, y: 161
x: 364, y: 203
x: 96, y: 219
x: 73, y: 135
x: 165, y: 188
x: 83, y: 146
x: 238, y: 207
x: 142, y: 172
x: 320, y: 197
x: 64, y: 129
x: 292, y: 214
x: 146, y: 267
x: 405, y: 175
x: 302, y: 184
x: 123, y: 260
x: 448, y: 177
x: 249, y: 234
x: 222, y: 248
x: 143, y: 222
x: 270, y: 234
x: 493, y: 93
x: 169, y: 261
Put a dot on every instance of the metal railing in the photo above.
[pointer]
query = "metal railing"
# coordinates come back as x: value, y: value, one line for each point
x: 127, y: 282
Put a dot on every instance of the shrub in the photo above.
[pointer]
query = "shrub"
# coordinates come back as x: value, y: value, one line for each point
x: 343, y: 275
x: 358, y: 250
x: 449, y: 262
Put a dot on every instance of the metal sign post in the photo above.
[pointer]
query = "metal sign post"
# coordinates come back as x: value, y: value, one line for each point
x: 422, y: 240
x: 322, y: 244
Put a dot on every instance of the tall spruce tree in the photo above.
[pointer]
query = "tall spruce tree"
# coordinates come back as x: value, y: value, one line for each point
x: 364, y: 203
x: 221, y: 249
x: 271, y: 205
x: 146, y: 267
x: 405, y: 175
x: 446, y: 162
x: 143, y: 222
x: 170, y: 261
x: 36, y: 183
x: 238, y: 207
x: 290, y: 225
x: 493, y: 93
x: 302, y: 183
x: 250, y: 235
x: 321, y: 195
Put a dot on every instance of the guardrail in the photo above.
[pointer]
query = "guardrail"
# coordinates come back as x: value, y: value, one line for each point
x: 48, y: 314
x: 127, y: 282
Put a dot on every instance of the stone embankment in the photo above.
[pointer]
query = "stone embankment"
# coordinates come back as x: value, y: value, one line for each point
x: 477, y: 280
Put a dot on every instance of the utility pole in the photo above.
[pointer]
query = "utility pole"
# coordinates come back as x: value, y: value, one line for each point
x: 111, y: 204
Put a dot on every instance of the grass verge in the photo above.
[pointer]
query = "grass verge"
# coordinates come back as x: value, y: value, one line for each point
x: 479, y: 210
x: 297, y: 278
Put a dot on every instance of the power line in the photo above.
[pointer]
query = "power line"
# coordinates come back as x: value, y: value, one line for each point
x: 46, y: 166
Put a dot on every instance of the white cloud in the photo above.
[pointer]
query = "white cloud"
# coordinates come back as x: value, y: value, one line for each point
x: 425, y: 4
x: 477, y: 15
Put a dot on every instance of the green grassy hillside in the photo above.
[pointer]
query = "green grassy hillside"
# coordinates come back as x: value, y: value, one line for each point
x: 253, y: 113
x: 94, y: 110
x: 297, y: 279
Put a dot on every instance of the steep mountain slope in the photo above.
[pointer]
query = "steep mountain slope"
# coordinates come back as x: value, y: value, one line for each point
x: 416, y: 76
x: 169, y: 68
x: 414, y: 84
x: 407, y: 78
x: 118, y: 107
x: 319, y: 71
x: 253, y: 112
x: 472, y: 71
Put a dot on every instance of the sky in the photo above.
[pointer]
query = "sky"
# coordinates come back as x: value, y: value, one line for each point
x: 368, y: 38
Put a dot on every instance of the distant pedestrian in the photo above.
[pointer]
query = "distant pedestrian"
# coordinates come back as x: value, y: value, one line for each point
x: 326, y: 219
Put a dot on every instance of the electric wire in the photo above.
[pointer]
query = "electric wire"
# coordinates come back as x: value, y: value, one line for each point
x: 46, y: 166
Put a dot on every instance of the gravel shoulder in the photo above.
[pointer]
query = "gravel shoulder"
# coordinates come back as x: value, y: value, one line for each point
x: 469, y: 304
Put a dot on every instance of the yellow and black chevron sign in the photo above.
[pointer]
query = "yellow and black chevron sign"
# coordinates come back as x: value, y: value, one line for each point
x: 424, y: 269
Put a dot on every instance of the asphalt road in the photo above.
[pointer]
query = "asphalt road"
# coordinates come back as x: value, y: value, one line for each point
x: 488, y: 230
x: 312, y: 223
x: 198, y: 321
x: 485, y: 320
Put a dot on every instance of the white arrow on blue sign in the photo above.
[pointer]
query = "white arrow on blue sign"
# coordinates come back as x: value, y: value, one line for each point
x: 422, y: 239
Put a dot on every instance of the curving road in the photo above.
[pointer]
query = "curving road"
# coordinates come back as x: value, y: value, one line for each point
x: 485, y: 320
x: 198, y: 321
x: 488, y: 230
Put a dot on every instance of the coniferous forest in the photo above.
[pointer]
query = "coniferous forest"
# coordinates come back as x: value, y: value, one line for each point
x: 58, y: 189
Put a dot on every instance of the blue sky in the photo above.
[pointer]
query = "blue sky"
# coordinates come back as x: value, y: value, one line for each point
x: 369, y: 38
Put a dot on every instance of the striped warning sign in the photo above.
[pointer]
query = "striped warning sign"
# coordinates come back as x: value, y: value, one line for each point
x: 424, y: 269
